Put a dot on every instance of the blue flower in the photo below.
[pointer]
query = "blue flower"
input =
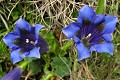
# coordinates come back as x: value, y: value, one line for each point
x: 91, y: 32
x: 25, y: 41
x: 13, y: 75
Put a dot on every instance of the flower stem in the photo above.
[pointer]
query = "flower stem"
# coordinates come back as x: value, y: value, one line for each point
x: 23, y: 65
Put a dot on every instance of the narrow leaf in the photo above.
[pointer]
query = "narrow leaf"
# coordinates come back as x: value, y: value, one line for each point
x: 100, y: 7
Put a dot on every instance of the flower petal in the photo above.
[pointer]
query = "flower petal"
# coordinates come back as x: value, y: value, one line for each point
x: 9, y: 39
x: 24, y: 54
x: 13, y: 74
x: 42, y: 44
x: 34, y: 52
x: 15, y: 56
x: 80, y: 19
x: 87, y: 13
x: 99, y: 19
x: 21, y: 24
x: 83, y: 52
x: 32, y: 30
x: 103, y: 47
x: 71, y: 29
x: 76, y: 39
x: 110, y: 24
x: 37, y: 28
x: 107, y: 37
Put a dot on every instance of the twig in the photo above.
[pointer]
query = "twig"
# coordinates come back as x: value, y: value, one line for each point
x: 12, y: 10
x: 4, y: 22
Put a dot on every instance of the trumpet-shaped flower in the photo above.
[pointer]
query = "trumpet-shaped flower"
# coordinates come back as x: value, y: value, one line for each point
x: 25, y: 41
x: 91, y: 32
x: 13, y: 74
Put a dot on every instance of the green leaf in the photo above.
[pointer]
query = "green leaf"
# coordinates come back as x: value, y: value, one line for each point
x: 100, y: 7
x: 48, y: 36
x: 48, y: 21
x: 3, y: 49
x: 29, y: 59
x: 61, y: 66
x: 35, y: 67
x: 75, y: 13
x: 16, y: 13
x: 66, y: 45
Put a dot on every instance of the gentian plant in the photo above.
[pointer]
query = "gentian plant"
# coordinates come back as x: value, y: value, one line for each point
x: 25, y: 41
x: 91, y: 32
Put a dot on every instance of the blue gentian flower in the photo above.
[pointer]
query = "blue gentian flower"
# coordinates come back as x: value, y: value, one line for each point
x: 91, y: 32
x: 13, y: 74
x: 25, y: 41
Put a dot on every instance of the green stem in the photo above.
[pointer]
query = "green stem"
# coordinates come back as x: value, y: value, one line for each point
x: 100, y: 7
x: 23, y: 65
x: 49, y: 76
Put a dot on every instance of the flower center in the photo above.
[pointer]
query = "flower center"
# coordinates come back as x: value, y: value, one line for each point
x: 26, y: 41
x: 31, y: 42
x: 85, y: 40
